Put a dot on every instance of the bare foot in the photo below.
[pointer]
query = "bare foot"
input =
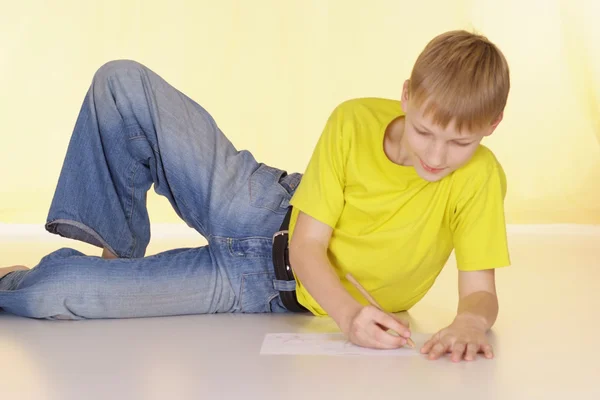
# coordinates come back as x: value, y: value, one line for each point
x: 108, y: 254
x: 6, y: 270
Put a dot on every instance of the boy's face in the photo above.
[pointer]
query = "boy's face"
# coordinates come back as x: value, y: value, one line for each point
x: 433, y: 151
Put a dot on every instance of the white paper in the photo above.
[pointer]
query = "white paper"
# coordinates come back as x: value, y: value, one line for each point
x: 331, y: 344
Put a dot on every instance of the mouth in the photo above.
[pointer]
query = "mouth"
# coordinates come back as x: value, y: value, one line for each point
x: 430, y: 169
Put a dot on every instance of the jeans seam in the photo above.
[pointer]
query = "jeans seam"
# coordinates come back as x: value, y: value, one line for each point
x: 130, y: 216
x: 242, y: 254
x: 144, y: 137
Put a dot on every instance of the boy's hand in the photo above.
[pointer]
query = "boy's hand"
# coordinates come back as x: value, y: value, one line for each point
x: 368, y: 327
x: 464, y: 338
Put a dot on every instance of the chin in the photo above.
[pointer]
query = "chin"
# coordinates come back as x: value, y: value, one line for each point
x: 427, y: 175
x: 433, y: 177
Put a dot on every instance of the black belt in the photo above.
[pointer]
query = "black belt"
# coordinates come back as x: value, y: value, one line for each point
x: 281, y: 263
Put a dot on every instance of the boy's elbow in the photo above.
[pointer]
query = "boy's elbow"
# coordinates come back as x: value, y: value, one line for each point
x: 310, y: 239
x: 301, y: 249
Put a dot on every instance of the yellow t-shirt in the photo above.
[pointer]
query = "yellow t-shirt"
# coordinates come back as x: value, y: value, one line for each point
x: 393, y: 230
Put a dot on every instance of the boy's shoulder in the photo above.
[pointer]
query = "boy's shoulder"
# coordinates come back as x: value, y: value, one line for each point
x: 483, y: 160
x: 480, y: 169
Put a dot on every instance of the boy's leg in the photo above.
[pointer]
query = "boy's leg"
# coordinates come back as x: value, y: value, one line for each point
x: 135, y: 130
x: 229, y: 275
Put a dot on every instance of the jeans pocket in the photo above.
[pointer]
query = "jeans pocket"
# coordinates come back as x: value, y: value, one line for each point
x: 251, y: 263
x: 257, y: 293
x: 276, y: 305
x: 267, y: 191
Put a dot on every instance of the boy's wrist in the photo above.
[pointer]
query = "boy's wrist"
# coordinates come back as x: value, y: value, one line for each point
x: 345, y: 314
x: 472, y: 320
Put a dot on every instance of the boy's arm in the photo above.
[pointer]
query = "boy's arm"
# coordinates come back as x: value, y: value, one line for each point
x: 478, y: 302
x: 477, y: 312
x: 308, y: 257
x: 364, y: 326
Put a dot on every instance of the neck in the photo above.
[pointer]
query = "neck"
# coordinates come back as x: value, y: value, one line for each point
x: 395, y: 143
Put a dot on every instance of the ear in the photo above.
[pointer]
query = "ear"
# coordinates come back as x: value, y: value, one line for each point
x: 498, y: 120
x: 404, y: 98
x: 496, y: 123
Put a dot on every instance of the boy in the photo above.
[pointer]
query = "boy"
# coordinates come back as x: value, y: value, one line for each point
x: 391, y: 188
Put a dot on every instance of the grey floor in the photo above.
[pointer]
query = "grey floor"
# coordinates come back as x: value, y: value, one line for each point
x: 547, y: 343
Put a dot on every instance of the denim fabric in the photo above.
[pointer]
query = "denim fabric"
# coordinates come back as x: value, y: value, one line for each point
x: 134, y: 130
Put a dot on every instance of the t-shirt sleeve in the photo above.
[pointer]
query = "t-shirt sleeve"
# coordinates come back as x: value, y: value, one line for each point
x: 479, y: 226
x: 321, y: 190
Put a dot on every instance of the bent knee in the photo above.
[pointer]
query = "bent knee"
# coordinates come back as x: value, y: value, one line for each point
x: 118, y: 69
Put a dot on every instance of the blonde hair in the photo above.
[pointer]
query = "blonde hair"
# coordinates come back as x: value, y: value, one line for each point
x: 460, y: 76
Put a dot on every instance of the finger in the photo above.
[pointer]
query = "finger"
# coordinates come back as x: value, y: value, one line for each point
x: 427, y: 346
x: 366, y: 333
x: 392, y: 332
x: 361, y: 338
x: 437, y: 350
x: 376, y: 338
x: 472, y: 350
x: 431, y: 342
x: 458, y: 350
x: 389, y: 322
x: 385, y: 340
x: 488, y: 351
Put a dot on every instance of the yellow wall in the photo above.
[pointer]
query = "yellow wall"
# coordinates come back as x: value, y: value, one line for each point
x: 270, y: 72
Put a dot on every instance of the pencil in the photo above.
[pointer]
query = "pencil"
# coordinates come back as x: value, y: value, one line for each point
x: 371, y: 300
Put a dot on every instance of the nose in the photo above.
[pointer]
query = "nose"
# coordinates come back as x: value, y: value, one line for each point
x: 436, y: 156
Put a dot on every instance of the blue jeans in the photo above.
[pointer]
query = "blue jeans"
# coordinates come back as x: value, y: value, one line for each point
x: 135, y: 130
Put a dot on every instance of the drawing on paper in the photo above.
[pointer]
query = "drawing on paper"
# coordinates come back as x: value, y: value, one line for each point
x: 322, y: 344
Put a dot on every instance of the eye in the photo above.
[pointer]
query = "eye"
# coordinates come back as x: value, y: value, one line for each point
x: 461, y: 144
x: 422, y: 133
